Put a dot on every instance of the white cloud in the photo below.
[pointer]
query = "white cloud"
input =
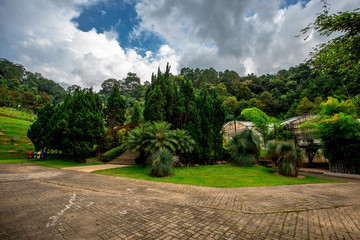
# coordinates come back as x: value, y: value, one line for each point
x: 41, y: 36
x: 247, y: 36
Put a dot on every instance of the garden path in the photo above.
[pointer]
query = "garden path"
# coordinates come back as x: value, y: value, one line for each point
x: 43, y: 203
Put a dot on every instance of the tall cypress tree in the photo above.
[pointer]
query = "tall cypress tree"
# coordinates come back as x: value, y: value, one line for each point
x: 39, y: 129
x: 115, y: 110
x: 160, y: 97
x: 136, y: 112
x: 203, y: 105
x: 218, y: 115
x: 77, y: 124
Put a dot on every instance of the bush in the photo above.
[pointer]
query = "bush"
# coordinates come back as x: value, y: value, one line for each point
x: 340, y: 137
x: 161, y: 163
x: 245, y: 148
x: 286, y: 156
x: 113, y: 153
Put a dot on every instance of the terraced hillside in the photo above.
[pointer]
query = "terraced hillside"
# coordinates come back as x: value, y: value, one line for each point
x: 13, y: 140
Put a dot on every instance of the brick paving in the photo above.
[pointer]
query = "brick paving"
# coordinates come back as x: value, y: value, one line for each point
x: 43, y: 203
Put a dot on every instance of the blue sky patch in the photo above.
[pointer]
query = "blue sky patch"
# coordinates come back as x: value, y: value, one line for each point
x: 121, y: 17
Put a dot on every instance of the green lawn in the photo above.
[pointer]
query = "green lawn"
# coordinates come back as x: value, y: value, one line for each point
x: 53, y: 163
x: 7, y: 112
x: 13, y: 140
x: 225, y: 176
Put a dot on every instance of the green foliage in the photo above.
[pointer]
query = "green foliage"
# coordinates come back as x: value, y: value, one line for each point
x: 286, y: 156
x: 245, y: 148
x: 115, y: 109
x: 332, y: 106
x: 161, y: 163
x: 112, y: 153
x: 218, y: 115
x: 41, y: 127
x: 185, y: 143
x: 340, y: 137
x: 342, y: 52
x: 136, y: 112
x: 17, y: 114
x: 159, y: 135
x: 260, y: 120
x: 13, y: 140
x: 150, y: 137
x: 305, y: 107
x: 160, y: 98
x: 30, y: 90
x: 73, y: 127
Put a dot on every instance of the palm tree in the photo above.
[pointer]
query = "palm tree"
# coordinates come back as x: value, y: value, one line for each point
x: 245, y: 148
x: 161, y: 163
x: 287, y: 157
x: 159, y: 135
x: 135, y: 142
x: 185, y: 144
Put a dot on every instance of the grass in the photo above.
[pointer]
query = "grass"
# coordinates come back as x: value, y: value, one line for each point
x: 13, y: 140
x: 53, y: 163
x: 224, y: 176
x: 17, y: 114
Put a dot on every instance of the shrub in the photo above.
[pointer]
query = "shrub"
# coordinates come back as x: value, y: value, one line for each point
x: 340, y: 137
x: 161, y: 163
x: 113, y: 153
x: 245, y: 148
x: 286, y: 156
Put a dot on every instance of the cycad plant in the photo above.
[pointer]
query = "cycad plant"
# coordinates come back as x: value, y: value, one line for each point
x: 185, y: 144
x: 157, y: 143
x: 287, y: 157
x: 245, y: 148
x: 161, y: 162
x: 135, y: 141
x: 159, y: 135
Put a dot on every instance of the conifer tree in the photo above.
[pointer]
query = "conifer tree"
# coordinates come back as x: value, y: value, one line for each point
x: 203, y: 105
x: 136, y: 112
x: 38, y: 130
x: 160, y: 97
x: 218, y: 115
x: 77, y: 124
x: 115, y: 110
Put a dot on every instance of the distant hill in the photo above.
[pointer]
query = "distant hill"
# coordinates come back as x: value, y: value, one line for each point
x: 29, y: 90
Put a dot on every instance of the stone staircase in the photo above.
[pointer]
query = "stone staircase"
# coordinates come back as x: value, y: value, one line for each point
x: 127, y: 158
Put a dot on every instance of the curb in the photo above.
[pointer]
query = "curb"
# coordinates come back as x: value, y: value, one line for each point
x: 345, y: 175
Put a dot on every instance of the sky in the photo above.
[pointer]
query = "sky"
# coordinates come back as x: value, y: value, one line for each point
x: 85, y: 42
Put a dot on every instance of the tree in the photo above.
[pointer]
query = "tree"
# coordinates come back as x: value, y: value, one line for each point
x: 217, y: 117
x: 245, y: 147
x: 136, y: 112
x: 185, y: 143
x: 160, y: 98
x: 115, y: 111
x: 159, y: 135
x: 286, y: 156
x: 256, y: 103
x: 260, y: 120
x: 342, y: 52
x: 305, y: 107
x: 244, y: 92
x: 108, y: 86
x: 77, y: 124
x: 339, y: 132
x: 203, y: 105
x: 39, y: 129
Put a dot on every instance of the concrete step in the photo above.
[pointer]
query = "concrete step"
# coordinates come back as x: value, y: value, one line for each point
x: 127, y: 158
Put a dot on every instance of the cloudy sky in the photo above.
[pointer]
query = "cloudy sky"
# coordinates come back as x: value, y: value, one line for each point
x: 84, y: 42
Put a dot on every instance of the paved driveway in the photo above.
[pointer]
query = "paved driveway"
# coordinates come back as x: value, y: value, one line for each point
x: 43, y: 203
